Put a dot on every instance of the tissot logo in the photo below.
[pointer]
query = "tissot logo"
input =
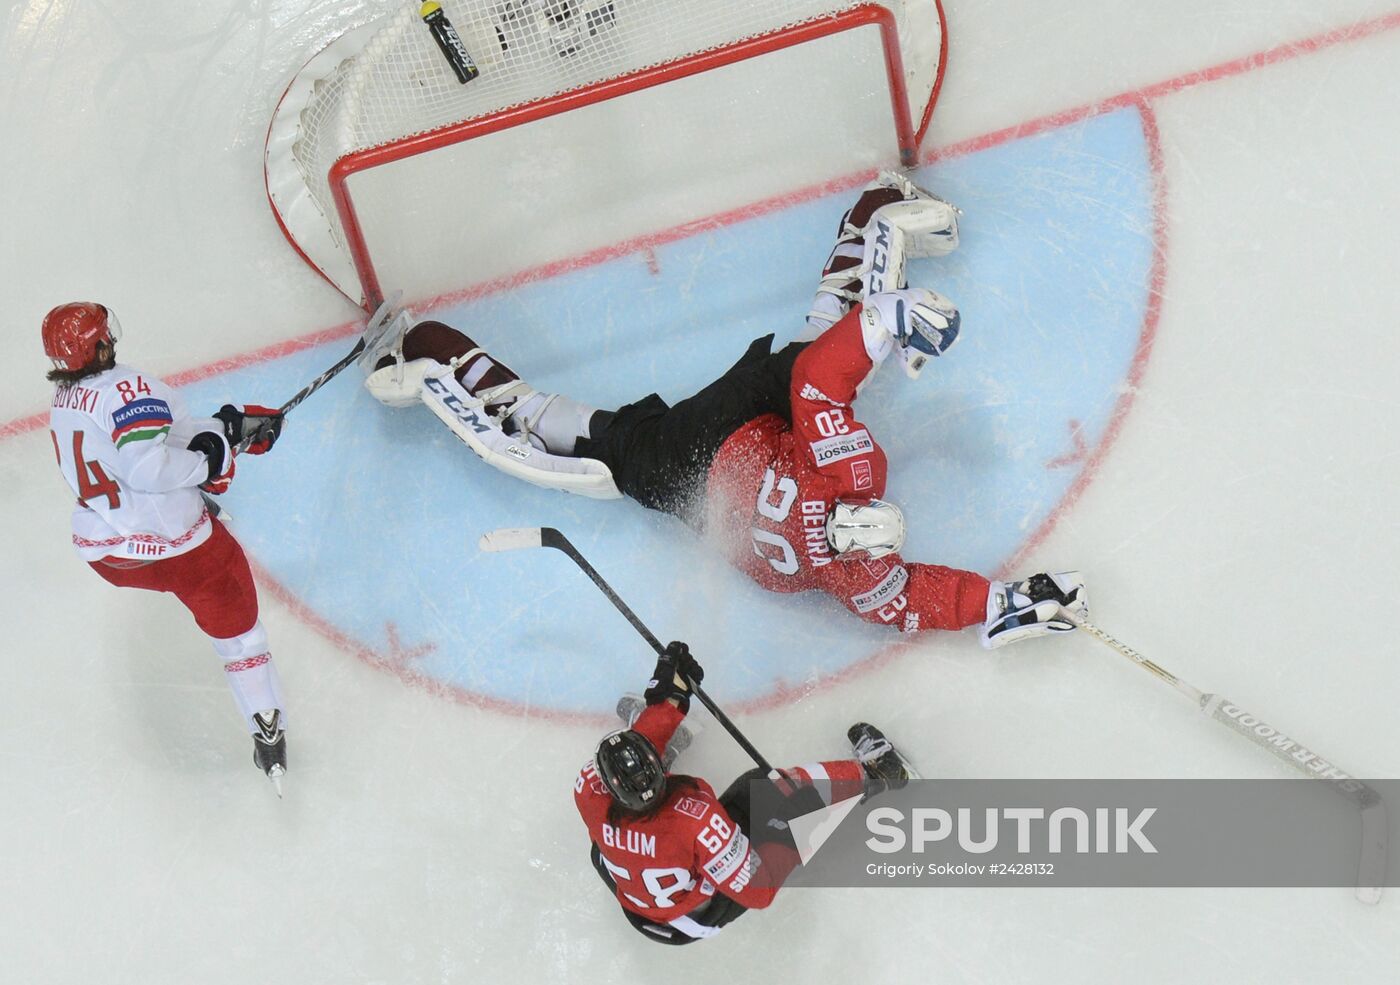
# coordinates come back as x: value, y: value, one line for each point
x: 843, y: 446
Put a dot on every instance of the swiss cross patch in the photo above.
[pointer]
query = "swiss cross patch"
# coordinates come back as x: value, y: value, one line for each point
x: 875, y: 566
x: 691, y: 807
x: 862, y: 475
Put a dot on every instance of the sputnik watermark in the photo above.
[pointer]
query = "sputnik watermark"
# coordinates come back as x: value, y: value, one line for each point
x: 1105, y: 830
x: 1284, y: 832
x: 920, y: 870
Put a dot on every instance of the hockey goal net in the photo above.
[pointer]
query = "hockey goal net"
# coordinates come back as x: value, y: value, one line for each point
x: 608, y: 120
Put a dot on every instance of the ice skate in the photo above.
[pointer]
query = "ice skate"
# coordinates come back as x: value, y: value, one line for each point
x: 270, y: 746
x: 882, y: 762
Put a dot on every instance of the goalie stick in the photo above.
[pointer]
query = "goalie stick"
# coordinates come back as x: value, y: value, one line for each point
x: 520, y: 538
x: 1371, y: 867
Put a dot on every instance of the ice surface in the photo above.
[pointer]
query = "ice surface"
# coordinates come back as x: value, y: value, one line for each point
x: 1176, y: 375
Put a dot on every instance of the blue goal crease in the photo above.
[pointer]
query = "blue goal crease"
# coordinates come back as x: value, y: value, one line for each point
x: 371, y: 515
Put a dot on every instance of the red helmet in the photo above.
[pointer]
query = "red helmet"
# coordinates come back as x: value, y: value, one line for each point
x: 72, y: 331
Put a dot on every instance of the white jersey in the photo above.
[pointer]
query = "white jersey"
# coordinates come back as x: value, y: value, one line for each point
x: 121, y: 440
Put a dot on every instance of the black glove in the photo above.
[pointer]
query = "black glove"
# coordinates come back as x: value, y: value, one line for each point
x: 262, y: 425
x: 220, y: 455
x: 668, y: 680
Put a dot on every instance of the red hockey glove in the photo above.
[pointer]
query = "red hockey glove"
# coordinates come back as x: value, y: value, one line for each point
x: 259, y: 426
x: 218, y: 484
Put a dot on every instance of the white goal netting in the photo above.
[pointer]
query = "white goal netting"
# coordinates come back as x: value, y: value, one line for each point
x: 389, y: 81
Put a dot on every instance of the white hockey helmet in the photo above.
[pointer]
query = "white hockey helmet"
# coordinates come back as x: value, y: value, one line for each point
x: 874, y: 528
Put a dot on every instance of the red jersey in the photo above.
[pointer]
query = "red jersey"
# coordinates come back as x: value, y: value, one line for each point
x: 678, y: 856
x: 780, y: 481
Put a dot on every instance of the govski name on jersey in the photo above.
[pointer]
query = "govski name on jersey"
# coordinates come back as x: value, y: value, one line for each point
x: 627, y: 840
x: 76, y: 398
x: 814, y: 531
x: 843, y: 446
x: 887, y: 589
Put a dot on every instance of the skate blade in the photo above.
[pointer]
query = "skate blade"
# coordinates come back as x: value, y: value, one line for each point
x: 275, y: 775
x: 909, y: 767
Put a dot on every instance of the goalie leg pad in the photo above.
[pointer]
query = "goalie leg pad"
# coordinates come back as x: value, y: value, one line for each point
x: 400, y: 384
x: 929, y: 223
x: 466, y: 416
x: 892, y: 221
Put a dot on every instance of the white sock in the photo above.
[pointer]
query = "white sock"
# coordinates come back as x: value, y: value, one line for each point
x: 252, y: 676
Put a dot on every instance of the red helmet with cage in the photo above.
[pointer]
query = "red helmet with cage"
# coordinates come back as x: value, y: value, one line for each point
x: 72, y: 331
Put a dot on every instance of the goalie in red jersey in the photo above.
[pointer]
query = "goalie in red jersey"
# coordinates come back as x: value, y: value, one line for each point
x: 682, y: 862
x: 769, y: 459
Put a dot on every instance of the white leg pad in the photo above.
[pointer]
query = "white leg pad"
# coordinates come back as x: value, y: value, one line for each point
x: 466, y: 416
x: 883, y: 267
x: 401, y: 384
x: 929, y: 227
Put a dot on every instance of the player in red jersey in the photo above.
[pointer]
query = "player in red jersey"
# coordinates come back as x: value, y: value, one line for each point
x: 769, y: 459
x: 682, y: 862
x: 137, y: 461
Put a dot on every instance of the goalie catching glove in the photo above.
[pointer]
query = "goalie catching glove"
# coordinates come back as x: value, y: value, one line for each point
x: 675, y: 669
x: 915, y: 322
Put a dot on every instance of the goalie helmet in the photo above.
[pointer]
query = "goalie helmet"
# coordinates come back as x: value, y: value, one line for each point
x: 873, y: 528
x: 72, y: 331
x: 631, y: 769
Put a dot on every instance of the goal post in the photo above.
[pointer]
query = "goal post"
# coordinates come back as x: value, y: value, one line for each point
x: 374, y: 153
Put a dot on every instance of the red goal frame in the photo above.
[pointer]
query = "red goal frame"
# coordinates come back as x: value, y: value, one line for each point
x: 909, y: 133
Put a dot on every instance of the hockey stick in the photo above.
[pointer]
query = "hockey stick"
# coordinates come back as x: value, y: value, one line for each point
x: 375, y: 329
x: 519, y: 538
x: 378, y: 324
x: 1371, y: 869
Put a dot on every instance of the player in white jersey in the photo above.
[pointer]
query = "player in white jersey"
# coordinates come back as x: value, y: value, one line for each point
x: 138, y: 464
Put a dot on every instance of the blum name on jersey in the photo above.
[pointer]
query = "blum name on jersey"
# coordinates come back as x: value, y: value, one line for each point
x: 120, y: 441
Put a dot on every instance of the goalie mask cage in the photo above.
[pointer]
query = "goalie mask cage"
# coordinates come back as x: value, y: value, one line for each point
x: 609, y: 120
